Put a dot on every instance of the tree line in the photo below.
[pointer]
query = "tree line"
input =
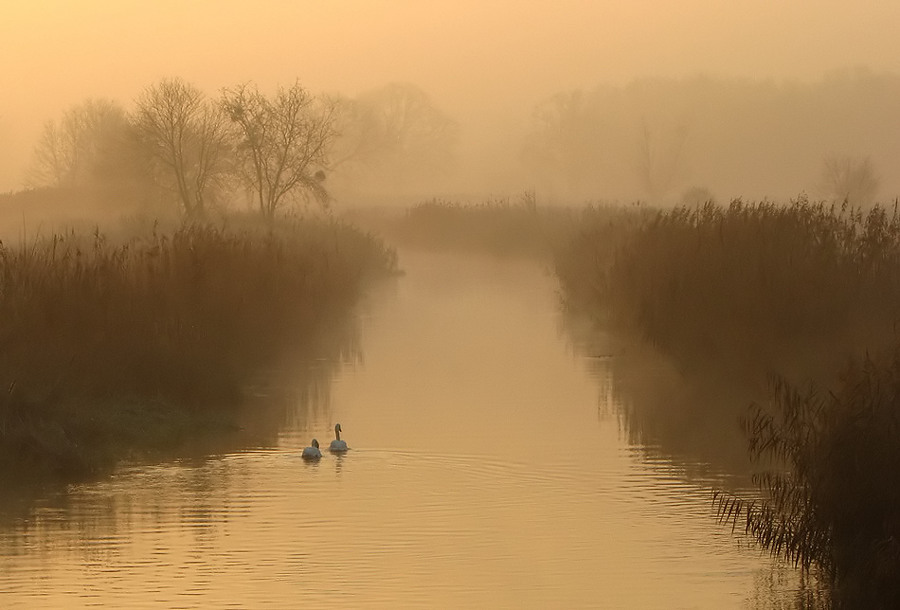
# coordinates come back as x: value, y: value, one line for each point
x: 180, y: 146
x: 684, y: 140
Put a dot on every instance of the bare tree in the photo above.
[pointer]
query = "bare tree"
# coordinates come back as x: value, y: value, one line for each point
x: 75, y: 150
x: 568, y: 143
x: 696, y: 196
x: 283, y: 142
x: 53, y: 158
x: 188, y: 136
x: 395, y: 134
x: 850, y: 179
x: 660, y: 160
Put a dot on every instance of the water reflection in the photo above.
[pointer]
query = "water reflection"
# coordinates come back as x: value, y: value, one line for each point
x: 688, y: 427
x: 690, y: 418
x: 295, y: 391
x: 480, y: 475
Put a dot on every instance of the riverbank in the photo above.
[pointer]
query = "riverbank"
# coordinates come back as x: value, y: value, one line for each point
x: 732, y: 295
x: 125, y: 346
x: 793, y: 308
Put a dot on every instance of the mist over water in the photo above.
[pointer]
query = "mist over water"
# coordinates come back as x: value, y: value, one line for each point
x: 501, y: 454
x: 487, y: 467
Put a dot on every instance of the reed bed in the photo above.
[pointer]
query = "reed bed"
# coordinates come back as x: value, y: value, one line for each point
x: 107, y: 347
x: 497, y: 227
x: 806, y: 295
x: 829, y: 501
x: 751, y: 287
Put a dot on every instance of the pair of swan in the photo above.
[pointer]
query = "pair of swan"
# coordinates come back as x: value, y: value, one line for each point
x: 337, y: 446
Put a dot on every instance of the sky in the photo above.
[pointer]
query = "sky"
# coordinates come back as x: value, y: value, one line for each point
x: 486, y: 63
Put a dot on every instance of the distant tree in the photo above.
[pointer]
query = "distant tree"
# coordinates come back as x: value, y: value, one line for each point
x: 850, y: 179
x: 696, y: 196
x: 394, y: 133
x: 585, y: 144
x: 283, y: 142
x: 568, y: 142
x: 83, y: 147
x: 187, y: 136
x: 660, y: 160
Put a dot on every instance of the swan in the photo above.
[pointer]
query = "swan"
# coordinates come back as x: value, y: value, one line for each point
x: 337, y: 444
x: 312, y: 453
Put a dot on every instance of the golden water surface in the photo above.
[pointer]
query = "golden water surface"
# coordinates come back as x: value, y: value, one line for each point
x: 487, y: 469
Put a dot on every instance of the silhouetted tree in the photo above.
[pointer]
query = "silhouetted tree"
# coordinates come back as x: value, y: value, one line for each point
x: 850, y: 179
x: 394, y: 134
x: 283, y: 142
x: 607, y: 142
x: 568, y: 141
x: 660, y: 160
x: 187, y: 136
x: 84, y: 146
x: 696, y: 196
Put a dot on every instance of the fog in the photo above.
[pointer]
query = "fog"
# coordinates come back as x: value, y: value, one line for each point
x: 486, y: 65
x: 523, y: 435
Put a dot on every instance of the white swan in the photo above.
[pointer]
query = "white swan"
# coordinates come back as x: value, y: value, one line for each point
x: 337, y: 444
x: 312, y: 453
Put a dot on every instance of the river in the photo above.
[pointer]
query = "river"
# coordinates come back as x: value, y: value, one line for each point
x: 488, y: 469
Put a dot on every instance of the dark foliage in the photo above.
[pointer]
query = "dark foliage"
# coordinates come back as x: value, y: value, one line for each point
x: 831, y: 498
x: 108, y: 347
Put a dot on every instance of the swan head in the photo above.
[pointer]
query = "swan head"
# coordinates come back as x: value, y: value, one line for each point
x: 315, y: 443
x: 337, y: 428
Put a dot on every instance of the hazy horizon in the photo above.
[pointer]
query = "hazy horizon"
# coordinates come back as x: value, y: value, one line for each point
x: 486, y: 65
x: 479, y: 236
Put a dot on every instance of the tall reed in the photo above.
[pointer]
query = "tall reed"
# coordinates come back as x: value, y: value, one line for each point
x: 830, y: 500
x: 755, y: 286
x: 808, y: 294
x: 89, y: 327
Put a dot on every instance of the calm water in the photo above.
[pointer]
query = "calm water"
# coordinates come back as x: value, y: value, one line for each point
x: 487, y: 470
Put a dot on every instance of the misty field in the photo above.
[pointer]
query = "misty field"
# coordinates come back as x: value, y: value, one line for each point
x: 115, y: 346
x: 500, y: 227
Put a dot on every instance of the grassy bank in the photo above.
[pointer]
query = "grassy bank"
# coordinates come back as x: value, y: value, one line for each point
x: 112, y: 348
x: 795, y: 307
x: 728, y: 295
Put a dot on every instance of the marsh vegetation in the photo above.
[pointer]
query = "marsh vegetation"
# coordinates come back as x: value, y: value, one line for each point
x: 121, y: 343
x: 117, y: 345
x: 504, y: 227
x: 793, y: 308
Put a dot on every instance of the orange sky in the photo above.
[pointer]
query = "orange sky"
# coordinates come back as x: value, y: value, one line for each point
x: 484, y: 62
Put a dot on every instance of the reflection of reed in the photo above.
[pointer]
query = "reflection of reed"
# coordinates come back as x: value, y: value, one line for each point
x: 115, y: 348
x: 297, y: 392
x: 688, y: 429
x: 732, y: 294
x: 689, y: 420
x: 728, y: 295
x: 291, y: 394
x: 772, y: 583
